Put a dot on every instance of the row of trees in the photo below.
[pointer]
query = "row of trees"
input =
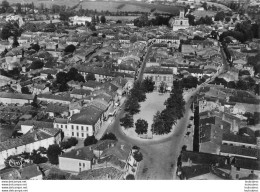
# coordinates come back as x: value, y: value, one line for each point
x: 69, y: 143
x: 163, y: 121
x: 202, y: 21
x: 247, y: 84
x: 143, y: 21
x: 243, y: 32
x: 91, y: 140
x: 132, y: 106
x: 11, y: 30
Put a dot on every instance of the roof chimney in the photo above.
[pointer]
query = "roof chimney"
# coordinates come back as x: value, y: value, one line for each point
x: 122, y: 147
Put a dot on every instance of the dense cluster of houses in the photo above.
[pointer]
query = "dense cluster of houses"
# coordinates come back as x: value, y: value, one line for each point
x: 227, y: 141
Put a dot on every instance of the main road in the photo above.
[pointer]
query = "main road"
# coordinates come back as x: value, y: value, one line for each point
x: 160, y: 156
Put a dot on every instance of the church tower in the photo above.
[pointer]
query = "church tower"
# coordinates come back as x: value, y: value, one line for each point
x: 180, y: 22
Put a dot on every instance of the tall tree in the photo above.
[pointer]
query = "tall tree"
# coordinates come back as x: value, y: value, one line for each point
x: 97, y: 19
x: 25, y: 90
x: 162, y: 87
x: 53, y: 153
x: 37, y: 64
x: 141, y: 126
x: 69, y: 49
x: 127, y: 121
x: 138, y: 92
x: 132, y: 106
x: 158, y: 124
x: 148, y: 85
x: 90, y: 140
x: 103, y: 19
x: 220, y: 16
x: 61, y: 77
x: 15, y: 42
x: 138, y: 156
x: 5, y: 5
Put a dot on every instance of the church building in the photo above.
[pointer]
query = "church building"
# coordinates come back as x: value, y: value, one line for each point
x: 180, y: 22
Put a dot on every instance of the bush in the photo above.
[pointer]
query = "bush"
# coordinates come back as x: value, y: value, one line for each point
x: 138, y: 156
x: 65, y: 145
x: 25, y: 90
x: 141, y: 126
x: 70, y: 49
x: 130, y: 177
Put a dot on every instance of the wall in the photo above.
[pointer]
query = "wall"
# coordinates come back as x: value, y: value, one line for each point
x: 29, y: 147
x: 72, y: 165
x: 26, y: 128
x: 14, y: 101
x: 67, y: 129
x: 158, y: 78
x: 53, y: 100
x: 242, y: 172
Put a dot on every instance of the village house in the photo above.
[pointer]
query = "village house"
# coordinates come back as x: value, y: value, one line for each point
x: 31, y: 172
x: 15, y: 98
x: 27, y: 125
x: 104, y: 155
x: 196, y: 165
x: 32, y: 140
x: 44, y: 73
x: 37, y: 89
x: 239, y: 146
x: 49, y: 98
x: 83, y: 124
x: 75, y: 84
x: 80, y: 20
x: 79, y: 93
x: 92, y: 85
x: 13, y: 58
x: 55, y: 110
x: 171, y: 41
x: 159, y: 75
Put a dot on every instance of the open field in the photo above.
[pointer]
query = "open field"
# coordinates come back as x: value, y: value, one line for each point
x: 111, y: 6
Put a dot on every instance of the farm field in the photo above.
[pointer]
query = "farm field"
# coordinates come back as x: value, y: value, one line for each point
x: 111, y: 6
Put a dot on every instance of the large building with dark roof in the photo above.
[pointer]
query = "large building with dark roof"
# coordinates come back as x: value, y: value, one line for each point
x: 83, y: 124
